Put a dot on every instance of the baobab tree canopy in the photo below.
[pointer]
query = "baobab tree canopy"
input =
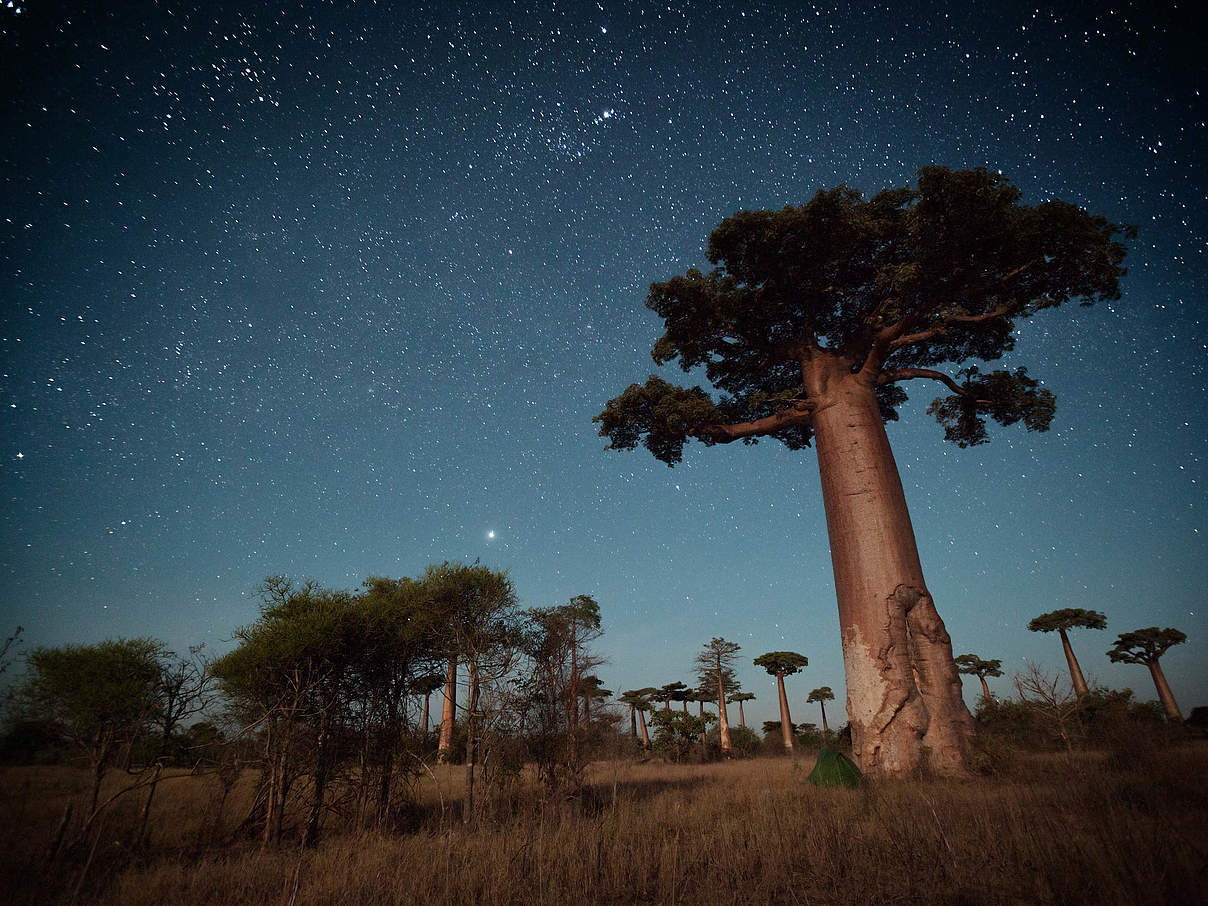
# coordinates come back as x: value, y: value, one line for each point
x: 1144, y: 646
x: 894, y: 287
x: 1068, y: 618
x: 808, y: 325
x: 782, y: 663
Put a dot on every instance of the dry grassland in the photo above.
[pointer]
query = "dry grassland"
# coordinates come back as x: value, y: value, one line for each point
x: 1098, y: 829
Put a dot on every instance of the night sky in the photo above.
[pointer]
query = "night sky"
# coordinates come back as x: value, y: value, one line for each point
x: 334, y: 290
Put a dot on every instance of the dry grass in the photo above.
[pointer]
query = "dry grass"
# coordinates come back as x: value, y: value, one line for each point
x: 1052, y: 831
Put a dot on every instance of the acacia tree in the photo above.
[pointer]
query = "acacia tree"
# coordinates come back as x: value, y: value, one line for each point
x: 809, y: 325
x: 972, y: 665
x: 1061, y: 621
x: 821, y: 695
x: 781, y: 664
x: 738, y: 699
x: 715, y: 667
x: 1146, y: 646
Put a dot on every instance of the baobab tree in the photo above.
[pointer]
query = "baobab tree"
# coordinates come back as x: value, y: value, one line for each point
x: 821, y: 695
x: 1146, y: 646
x: 1061, y: 621
x: 781, y: 664
x: 639, y: 703
x: 809, y: 325
x: 972, y: 665
x: 738, y: 699
x: 672, y: 692
x: 715, y: 667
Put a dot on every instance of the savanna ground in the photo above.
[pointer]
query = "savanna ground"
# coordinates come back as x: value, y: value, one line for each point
x: 1097, y: 827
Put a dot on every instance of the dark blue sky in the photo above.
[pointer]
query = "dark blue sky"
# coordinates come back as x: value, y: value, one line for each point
x: 335, y: 289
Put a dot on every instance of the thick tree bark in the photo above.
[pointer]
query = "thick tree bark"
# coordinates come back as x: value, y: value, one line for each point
x: 903, y: 691
x: 448, y: 712
x: 985, y: 687
x: 786, y: 722
x: 1076, y: 677
x: 1164, y: 693
x: 727, y: 747
x: 645, y: 733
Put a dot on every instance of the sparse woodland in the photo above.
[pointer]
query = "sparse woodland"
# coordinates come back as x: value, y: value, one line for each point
x: 433, y: 740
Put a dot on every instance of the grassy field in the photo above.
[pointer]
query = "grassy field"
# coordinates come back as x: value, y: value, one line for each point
x: 1046, y: 829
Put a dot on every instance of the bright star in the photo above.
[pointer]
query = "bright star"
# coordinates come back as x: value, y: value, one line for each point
x: 491, y: 534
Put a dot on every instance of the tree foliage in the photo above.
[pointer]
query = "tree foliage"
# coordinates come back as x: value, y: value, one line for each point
x: 1144, y: 646
x: 972, y: 665
x: 1067, y: 618
x: 897, y: 286
x: 782, y: 663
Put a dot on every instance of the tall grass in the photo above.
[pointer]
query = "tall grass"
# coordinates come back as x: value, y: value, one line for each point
x: 1091, y: 829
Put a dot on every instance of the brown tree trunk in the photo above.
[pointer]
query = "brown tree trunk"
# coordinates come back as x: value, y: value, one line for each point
x: 427, y: 717
x: 742, y: 718
x: 723, y: 719
x: 985, y: 688
x: 633, y: 721
x: 903, y: 691
x: 645, y: 733
x: 448, y: 712
x: 1076, y: 677
x: 1164, y: 693
x: 825, y: 728
x: 786, y: 722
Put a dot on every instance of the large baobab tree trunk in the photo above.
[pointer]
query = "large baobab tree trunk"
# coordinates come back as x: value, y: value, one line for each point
x: 786, y: 723
x: 645, y: 733
x: 742, y: 718
x: 448, y: 712
x: 1076, y: 678
x: 985, y: 687
x: 723, y: 719
x: 903, y: 691
x: 1164, y: 693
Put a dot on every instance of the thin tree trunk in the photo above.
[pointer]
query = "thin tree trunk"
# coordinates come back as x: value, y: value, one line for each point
x: 310, y: 837
x: 985, y: 687
x: 1164, y: 693
x: 645, y: 733
x: 471, y: 742
x: 448, y: 712
x: 424, y: 723
x: 786, y: 722
x: 633, y: 721
x: 904, y: 693
x: 1076, y: 678
x: 825, y: 728
x: 742, y: 718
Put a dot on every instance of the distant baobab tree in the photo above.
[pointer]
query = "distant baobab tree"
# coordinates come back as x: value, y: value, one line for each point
x: 812, y: 320
x: 639, y: 703
x: 715, y: 667
x: 822, y: 695
x: 738, y: 699
x: 781, y: 664
x: 1061, y: 621
x: 1146, y: 646
x: 972, y: 665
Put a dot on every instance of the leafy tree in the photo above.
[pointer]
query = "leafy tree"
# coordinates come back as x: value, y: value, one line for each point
x: 97, y: 697
x: 972, y: 665
x: 672, y: 692
x: 1146, y: 646
x: 715, y: 667
x: 809, y: 325
x: 1061, y: 621
x: 738, y: 699
x: 676, y: 732
x: 781, y: 664
x: 821, y: 695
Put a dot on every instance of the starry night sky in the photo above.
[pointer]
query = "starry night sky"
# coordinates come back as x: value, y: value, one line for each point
x: 335, y: 289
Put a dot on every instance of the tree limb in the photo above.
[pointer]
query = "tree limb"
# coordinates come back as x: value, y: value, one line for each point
x: 906, y: 374
x: 786, y: 418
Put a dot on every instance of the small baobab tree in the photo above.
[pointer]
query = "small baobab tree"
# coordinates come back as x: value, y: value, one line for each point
x: 715, y: 667
x: 821, y: 695
x: 738, y: 699
x: 639, y: 703
x: 972, y: 665
x: 1061, y: 621
x: 781, y: 664
x: 1146, y: 646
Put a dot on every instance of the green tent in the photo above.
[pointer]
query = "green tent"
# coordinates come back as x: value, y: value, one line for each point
x: 834, y: 769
